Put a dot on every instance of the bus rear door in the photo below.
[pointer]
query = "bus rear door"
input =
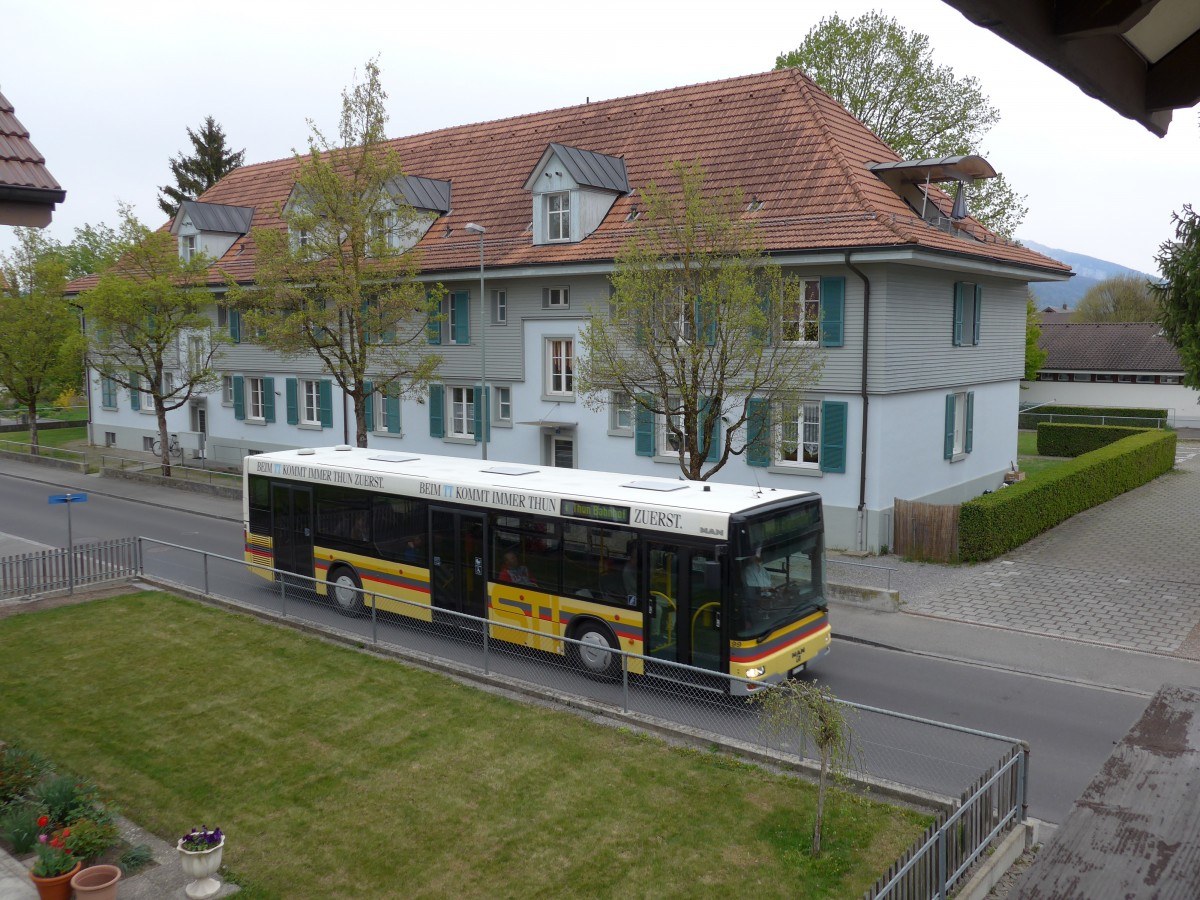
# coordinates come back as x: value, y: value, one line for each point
x: 292, y: 528
x: 458, y: 580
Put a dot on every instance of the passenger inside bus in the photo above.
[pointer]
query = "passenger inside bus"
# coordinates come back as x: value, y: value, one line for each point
x: 515, y: 573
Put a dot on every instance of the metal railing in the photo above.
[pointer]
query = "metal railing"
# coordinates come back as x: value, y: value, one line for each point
x: 1031, y: 420
x: 872, y: 569
x: 51, y: 571
x: 179, y: 471
x: 915, y: 757
x: 23, y: 447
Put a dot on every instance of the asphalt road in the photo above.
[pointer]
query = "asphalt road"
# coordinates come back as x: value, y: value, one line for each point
x: 1070, y: 727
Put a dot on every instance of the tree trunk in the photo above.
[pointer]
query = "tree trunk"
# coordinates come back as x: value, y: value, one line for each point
x: 164, y: 439
x: 816, y: 841
x: 33, y: 431
x: 360, y: 421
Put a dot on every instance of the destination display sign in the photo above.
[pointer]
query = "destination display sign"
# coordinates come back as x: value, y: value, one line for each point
x: 596, y: 512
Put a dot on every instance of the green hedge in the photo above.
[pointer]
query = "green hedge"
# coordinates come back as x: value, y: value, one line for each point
x: 1075, y: 440
x: 997, y: 522
x: 1144, y: 418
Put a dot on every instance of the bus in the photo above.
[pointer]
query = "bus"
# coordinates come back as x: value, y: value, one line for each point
x: 723, y: 578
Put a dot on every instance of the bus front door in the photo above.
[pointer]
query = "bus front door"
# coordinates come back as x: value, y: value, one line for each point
x: 292, y: 529
x: 458, y: 580
x: 683, y: 620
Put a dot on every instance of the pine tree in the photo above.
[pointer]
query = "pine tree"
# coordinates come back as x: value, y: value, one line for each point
x: 195, y: 174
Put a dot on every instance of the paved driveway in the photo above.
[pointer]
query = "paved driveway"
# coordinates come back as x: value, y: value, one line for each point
x: 1125, y: 574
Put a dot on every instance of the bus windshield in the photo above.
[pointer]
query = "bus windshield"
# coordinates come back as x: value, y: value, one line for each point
x: 779, y: 570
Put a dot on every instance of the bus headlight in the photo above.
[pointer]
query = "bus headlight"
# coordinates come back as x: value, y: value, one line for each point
x: 757, y: 672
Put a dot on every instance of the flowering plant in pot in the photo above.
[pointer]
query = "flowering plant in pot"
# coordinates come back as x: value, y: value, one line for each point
x: 54, y: 866
x: 200, y: 857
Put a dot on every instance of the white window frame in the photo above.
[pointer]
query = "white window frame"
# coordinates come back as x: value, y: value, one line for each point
x: 500, y: 307
x: 560, y: 368
x: 256, y: 410
x: 309, y: 402
x: 663, y: 437
x: 168, y: 385
x: 381, y: 413
x: 227, y: 390
x: 684, y: 328
x: 558, y: 220
x: 460, y: 418
x: 620, y: 413
x: 146, y: 392
x: 803, y: 326
x: 797, y: 438
x: 960, y: 424
x: 195, y: 354
x: 189, y: 246
x: 503, y: 403
x: 558, y: 298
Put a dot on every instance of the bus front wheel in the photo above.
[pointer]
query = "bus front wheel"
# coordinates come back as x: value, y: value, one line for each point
x: 596, y: 651
x: 346, y: 590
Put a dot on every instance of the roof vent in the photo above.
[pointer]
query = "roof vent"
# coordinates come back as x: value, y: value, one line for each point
x: 393, y: 457
x: 755, y: 205
x: 664, y: 486
x: 306, y: 451
x: 342, y: 448
x: 511, y: 470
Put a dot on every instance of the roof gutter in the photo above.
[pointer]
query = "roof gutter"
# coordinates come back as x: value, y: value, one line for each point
x: 862, y: 462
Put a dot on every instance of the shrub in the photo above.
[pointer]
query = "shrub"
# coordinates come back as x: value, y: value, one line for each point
x: 1054, y: 439
x: 135, y: 859
x: 997, y: 522
x: 68, y: 398
x: 20, y: 770
x: 55, y: 796
x: 19, y: 826
x: 89, y: 838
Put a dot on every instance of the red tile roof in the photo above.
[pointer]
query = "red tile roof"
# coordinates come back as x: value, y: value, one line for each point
x: 1108, y: 347
x: 776, y: 136
x: 21, y: 165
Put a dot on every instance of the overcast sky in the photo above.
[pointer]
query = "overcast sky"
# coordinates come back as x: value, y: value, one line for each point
x: 108, y: 89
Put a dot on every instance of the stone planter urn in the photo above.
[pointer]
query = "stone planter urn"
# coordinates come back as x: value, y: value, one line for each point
x: 201, y: 866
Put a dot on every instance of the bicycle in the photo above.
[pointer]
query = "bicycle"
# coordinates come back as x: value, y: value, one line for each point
x: 173, y: 448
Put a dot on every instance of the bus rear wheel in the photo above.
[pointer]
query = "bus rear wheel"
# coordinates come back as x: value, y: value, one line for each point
x: 596, y: 651
x: 345, y: 589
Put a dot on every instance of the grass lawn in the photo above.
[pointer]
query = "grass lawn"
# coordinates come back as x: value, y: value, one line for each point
x: 1027, y: 457
x: 47, y: 437
x: 339, y: 774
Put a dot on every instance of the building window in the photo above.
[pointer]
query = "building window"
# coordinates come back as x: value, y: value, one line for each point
x: 798, y: 441
x: 558, y: 217
x: 387, y: 410
x: 168, y: 384
x: 669, y: 444
x: 1080, y: 376
x: 1145, y: 379
x: 1169, y: 379
x: 968, y: 309
x: 960, y: 415
x: 227, y: 390
x: 503, y: 406
x: 556, y: 298
x: 108, y: 392
x: 499, y: 307
x: 560, y: 368
x: 310, y: 403
x: 255, y: 400
x: 462, y: 412
x: 620, y: 413
x: 1122, y: 379
x: 684, y: 322
x: 110, y: 439
x: 148, y: 443
x: 188, y: 247
x: 1108, y: 379
x: 802, y: 316
x: 196, y: 356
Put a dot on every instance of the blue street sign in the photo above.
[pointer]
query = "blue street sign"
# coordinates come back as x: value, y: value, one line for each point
x: 67, y: 498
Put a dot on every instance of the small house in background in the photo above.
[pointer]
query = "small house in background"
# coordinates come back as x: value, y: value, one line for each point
x: 1130, y: 364
x: 28, y: 192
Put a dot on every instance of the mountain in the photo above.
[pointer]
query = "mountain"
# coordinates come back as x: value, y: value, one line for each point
x: 1089, y: 272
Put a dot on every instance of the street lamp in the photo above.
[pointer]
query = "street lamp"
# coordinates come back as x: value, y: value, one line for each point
x: 485, y: 419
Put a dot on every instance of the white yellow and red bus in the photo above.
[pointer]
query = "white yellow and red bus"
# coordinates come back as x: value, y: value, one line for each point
x: 720, y: 577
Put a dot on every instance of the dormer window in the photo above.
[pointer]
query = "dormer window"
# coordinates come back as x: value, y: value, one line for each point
x: 209, y: 228
x: 188, y: 247
x: 558, y: 216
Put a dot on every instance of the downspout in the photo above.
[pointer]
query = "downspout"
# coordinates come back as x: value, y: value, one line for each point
x: 862, y: 462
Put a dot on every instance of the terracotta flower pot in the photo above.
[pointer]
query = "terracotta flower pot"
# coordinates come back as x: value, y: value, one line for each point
x: 201, y: 866
x: 96, y: 883
x: 57, y: 887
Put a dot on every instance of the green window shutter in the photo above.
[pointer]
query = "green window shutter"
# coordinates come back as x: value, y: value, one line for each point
x: 762, y: 334
x: 462, y: 317
x: 643, y: 431
x: 758, y: 432
x: 293, y: 406
x: 958, y: 313
x: 239, y: 398
x: 833, y: 311
x: 135, y: 396
x: 948, y: 446
x: 483, y: 417
x: 268, y: 399
x: 705, y: 323
x: 392, y: 401
x: 433, y: 328
x: 711, y: 419
x: 369, y: 401
x: 967, y: 439
x: 364, y: 312
x: 235, y: 326
x: 833, y: 435
x: 437, y: 420
x: 326, y: 403
x: 978, y: 312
